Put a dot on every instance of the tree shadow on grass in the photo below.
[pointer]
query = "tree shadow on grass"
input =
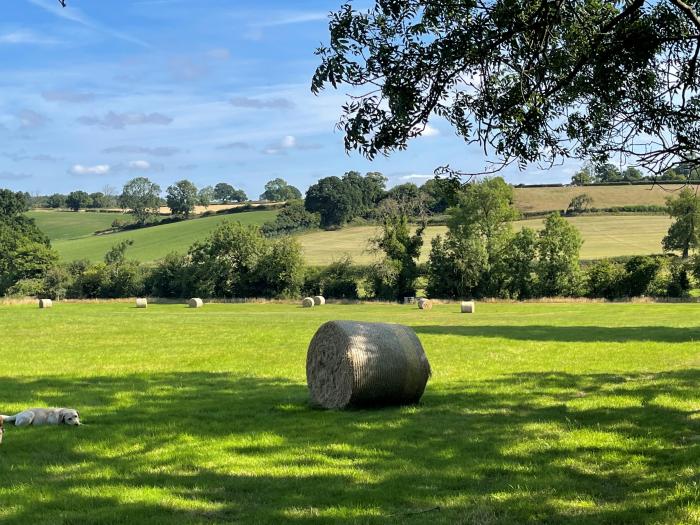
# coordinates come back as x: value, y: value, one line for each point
x: 215, y: 447
x: 569, y: 334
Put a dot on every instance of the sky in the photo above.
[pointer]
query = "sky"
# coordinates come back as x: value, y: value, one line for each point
x: 212, y: 91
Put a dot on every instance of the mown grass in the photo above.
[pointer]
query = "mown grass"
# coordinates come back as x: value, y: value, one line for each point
x: 558, y: 198
x: 536, y: 413
x: 67, y: 225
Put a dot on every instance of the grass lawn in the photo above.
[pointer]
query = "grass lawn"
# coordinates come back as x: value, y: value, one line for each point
x: 537, y: 413
x: 68, y: 225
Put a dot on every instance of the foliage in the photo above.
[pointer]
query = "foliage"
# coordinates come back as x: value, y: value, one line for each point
x: 606, y: 279
x: 77, y: 200
x: 334, y: 200
x: 56, y: 201
x: 684, y: 233
x: 641, y: 272
x: 519, y: 265
x: 528, y: 81
x: 225, y: 193
x: 182, y: 197
x: 12, y: 203
x: 205, y: 196
x: 170, y: 277
x: 558, y: 248
x: 141, y: 197
x: 583, y: 176
x: 100, y: 200
x: 238, y: 261
x: 117, y: 254
x: 279, y: 190
x: 292, y: 218
x: 579, y: 204
x: 396, y: 276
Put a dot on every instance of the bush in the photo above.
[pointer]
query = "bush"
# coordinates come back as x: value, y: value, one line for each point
x: 170, y: 277
x: 27, y: 288
x: 292, y: 218
x: 641, y: 272
x: 606, y: 279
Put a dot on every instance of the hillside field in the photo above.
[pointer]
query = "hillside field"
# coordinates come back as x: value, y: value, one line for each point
x: 535, y: 413
x: 558, y: 198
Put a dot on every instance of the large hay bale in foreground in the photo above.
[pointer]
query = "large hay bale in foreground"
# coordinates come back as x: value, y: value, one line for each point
x: 308, y: 302
x: 425, y: 304
x: 195, y: 302
x: 319, y: 300
x: 141, y: 303
x: 468, y: 307
x: 365, y: 364
x: 45, y: 303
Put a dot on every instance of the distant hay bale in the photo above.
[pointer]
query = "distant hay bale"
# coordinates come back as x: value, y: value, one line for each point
x: 141, y: 303
x: 468, y: 307
x: 45, y: 303
x: 425, y: 304
x: 365, y: 364
x: 319, y: 300
x: 308, y: 302
x: 195, y: 302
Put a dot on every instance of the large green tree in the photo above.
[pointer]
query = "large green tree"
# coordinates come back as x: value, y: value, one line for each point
x: 141, y: 197
x: 684, y: 233
x: 182, y: 197
x: 77, y: 200
x: 336, y: 201
x: 280, y: 190
x: 528, y: 80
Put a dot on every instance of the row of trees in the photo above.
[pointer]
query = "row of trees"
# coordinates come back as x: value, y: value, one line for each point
x: 607, y: 173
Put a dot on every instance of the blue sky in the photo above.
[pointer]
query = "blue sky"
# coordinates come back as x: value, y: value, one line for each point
x: 208, y: 90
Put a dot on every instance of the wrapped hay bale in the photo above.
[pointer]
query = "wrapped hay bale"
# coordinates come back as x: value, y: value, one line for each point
x: 319, y: 300
x: 365, y: 364
x: 468, y: 307
x: 195, y: 302
x: 45, y: 303
x: 308, y: 302
x: 141, y: 303
x: 425, y: 304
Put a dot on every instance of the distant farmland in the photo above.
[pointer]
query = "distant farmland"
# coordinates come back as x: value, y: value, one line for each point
x: 558, y: 198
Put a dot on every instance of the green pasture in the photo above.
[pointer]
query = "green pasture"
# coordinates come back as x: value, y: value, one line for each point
x: 536, y: 413
x: 149, y: 243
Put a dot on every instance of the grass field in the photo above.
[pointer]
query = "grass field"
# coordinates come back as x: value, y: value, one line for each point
x: 558, y: 198
x: 71, y: 234
x: 604, y: 236
x: 149, y: 243
x: 537, y: 413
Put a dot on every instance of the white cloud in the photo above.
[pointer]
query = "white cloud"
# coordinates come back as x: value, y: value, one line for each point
x: 289, y: 141
x: 295, y: 18
x: 416, y: 176
x: 427, y: 131
x: 142, y: 165
x: 115, y: 120
x: 100, y: 169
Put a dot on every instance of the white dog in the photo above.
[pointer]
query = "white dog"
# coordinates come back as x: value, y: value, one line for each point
x: 44, y: 416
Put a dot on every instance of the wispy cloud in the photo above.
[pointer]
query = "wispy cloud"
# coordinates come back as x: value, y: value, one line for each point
x: 30, y: 119
x: 288, y: 142
x: 26, y: 37
x: 113, y: 120
x: 261, y: 103
x: 22, y: 156
x: 294, y: 18
x: 9, y: 175
x: 160, y: 151
x: 235, y: 145
x: 75, y: 15
x: 73, y: 97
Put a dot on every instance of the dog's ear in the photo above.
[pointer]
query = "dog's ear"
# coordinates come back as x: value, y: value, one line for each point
x: 61, y: 416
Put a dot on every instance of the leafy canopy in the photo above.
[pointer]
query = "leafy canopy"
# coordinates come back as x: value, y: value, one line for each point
x: 528, y: 80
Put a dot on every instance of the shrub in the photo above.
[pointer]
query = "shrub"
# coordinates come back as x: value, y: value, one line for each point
x: 641, y: 272
x: 339, y: 280
x: 170, y: 277
x: 27, y: 288
x: 606, y: 279
x: 292, y: 218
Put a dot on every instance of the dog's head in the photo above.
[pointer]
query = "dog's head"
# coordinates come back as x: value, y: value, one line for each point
x: 68, y: 416
x: 1, y: 429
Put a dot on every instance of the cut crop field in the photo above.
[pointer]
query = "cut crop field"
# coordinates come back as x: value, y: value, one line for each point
x: 535, y: 413
x: 603, y: 235
x: 558, y: 198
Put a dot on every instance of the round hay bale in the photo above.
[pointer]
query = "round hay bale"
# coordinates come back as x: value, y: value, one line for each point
x: 141, y: 303
x: 45, y: 303
x: 365, y: 364
x: 425, y: 304
x: 468, y: 307
x: 195, y: 302
x: 319, y: 300
x: 308, y: 302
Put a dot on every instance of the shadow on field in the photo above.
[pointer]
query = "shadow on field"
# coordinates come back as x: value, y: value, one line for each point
x: 585, y: 334
x: 215, y: 447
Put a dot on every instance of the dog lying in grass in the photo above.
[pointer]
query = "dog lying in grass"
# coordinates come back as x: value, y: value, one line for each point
x: 1, y: 430
x: 44, y: 416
